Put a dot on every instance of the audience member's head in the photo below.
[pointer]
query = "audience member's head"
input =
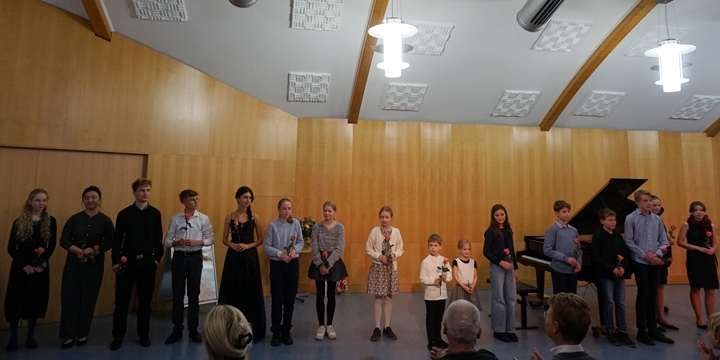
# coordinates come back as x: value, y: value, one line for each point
x: 713, y: 324
x: 227, y: 333
x: 568, y: 319
x: 461, y: 323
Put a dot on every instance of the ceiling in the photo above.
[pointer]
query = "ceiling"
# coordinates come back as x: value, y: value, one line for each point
x: 487, y: 53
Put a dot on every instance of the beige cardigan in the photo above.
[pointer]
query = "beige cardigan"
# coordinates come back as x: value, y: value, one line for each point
x: 374, y: 245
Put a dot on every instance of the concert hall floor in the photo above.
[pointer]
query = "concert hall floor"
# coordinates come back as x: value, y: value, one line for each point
x: 354, y: 323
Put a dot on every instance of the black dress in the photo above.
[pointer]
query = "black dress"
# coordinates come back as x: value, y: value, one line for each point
x: 241, y: 285
x: 701, y: 268
x: 27, y: 295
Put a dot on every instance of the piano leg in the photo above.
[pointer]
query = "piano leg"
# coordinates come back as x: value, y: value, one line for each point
x: 540, y: 281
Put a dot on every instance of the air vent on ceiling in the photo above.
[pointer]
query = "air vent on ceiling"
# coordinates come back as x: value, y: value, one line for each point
x: 404, y: 97
x: 535, y: 13
x: 308, y: 87
x: 164, y: 10
x: 515, y: 103
x: 696, y: 107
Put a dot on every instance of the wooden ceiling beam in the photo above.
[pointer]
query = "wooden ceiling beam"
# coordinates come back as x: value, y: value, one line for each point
x: 713, y: 129
x: 98, y: 20
x: 366, y: 55
x: 634, y: 17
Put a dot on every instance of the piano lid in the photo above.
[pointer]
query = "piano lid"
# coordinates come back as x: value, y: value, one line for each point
x: 614, y: 196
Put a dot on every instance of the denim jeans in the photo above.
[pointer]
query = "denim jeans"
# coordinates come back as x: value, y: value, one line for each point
x: 504, y: 297
x: 613, y: 295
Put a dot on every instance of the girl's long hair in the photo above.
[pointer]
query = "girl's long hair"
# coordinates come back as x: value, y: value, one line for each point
x: 497, y: 231
x: 24, y: 222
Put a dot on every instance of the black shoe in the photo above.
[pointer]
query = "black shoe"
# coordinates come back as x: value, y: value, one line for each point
x: 656, y: 335
x: 116, y: 343
x: 145, y: 341
x: 276, y: 339
x: 287, y: 338
x: 81, y: 342
x: 670, y: 327
x: 376, y: 335
x: 512, y: 337
x: 389, y: 333
x: 12, y: 346
x: 441, y: 344
x: 195, y: 336
x: 661, y: 328
x: 644, y: 338
x: 700, y: 326
x: 613, y: 338
x: 625, y: 339
x: 31, y: 343
x: 501, y: 336
x: 174, y: 337
x: 67, y: 345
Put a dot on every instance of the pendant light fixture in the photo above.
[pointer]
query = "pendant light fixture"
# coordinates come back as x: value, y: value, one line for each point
x: 392, y: 30
x: 670, y: 53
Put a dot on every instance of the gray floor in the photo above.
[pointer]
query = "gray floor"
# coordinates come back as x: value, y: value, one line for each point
x: 354, y: 324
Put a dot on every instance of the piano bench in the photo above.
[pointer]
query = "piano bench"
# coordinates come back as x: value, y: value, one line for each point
x: 523, y: 290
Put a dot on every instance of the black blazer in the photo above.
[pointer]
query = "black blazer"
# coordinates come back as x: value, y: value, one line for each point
x: 605, y: 249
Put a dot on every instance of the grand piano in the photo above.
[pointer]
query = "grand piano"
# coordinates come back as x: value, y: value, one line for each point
x: 614, y: 195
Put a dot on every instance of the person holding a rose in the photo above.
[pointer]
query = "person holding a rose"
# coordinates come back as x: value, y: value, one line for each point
x: 86, y: 236
x: 499, y: 250
x: 31, y: 244
x: 241, y: 284
x: 328, y: 244
x: 697, y: 235
x: 611, y: 259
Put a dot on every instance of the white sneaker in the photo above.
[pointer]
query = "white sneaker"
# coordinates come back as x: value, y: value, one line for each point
x: 320, y: 334
x: 331, y: 333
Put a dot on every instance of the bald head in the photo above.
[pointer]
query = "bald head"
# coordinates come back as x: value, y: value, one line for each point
x: 462, y: 322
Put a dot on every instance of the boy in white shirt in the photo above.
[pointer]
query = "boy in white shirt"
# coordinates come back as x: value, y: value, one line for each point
x: 435, y: 271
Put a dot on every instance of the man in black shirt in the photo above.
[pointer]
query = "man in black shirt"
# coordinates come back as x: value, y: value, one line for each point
x: 137, y: 250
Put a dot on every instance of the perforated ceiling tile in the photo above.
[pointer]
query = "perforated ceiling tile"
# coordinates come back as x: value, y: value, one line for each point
x: 316, y: 14
x: 696, y: 107
x: 560, y: 36
x: 167, y: 10
x: 308, y: 87
x: 515, y: 103
x: 404, y: 97
x: 430, y: 38
x: 599, y: 103
x: 652, y: 38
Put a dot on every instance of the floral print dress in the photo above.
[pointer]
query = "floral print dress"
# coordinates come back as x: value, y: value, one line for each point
x: 383, y: 279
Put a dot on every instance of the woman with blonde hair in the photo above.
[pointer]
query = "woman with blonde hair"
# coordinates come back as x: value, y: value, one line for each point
x: 227, y: 333
x: 32, y: 242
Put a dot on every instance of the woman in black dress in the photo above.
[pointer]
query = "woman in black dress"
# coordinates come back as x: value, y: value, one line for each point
x: 32, y: 242
x: 240, y: 285
x: 86, y: 236
x: 697, y: 235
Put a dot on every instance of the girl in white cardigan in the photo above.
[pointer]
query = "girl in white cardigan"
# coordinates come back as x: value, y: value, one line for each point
x: 384, y: 246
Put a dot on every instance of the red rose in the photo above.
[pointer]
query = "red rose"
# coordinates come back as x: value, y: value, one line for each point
x: 235, y: 223
x: 664, y: 251
x: 325, y: 254
x: 123, y: 259
x: 40, y: 250
x: 708, y: 234
x: 387, y: 237
x: 506, y: 251
x: 672, y: 227
x: 576, y: 241
x: 620, y: 258
x: 292, y: 238
x: 445, y: 261
x: 96, y: 247
x: 187, y: 217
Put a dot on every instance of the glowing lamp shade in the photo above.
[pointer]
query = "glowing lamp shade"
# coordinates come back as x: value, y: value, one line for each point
x: 670, y: 54
x: 392, y: 31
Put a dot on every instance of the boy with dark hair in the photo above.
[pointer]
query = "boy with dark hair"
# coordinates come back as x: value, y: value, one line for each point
x: 187, y: 233
x: 563, y: 247
x: 611, y: 259
x: 435, y: 271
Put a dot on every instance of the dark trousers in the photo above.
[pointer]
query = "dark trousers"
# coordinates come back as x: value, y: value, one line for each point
x: 140, y: 273
x: 647, y: 278
x: 186, y: 269
x: 283, y: 289
x: 562, y: 282
x: 80, y: 288
x: 434, y: 311
x: 320, y: 301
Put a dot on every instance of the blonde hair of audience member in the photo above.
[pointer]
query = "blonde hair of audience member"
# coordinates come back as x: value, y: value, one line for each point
x: 227, y: 333
x: 713, y: 324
